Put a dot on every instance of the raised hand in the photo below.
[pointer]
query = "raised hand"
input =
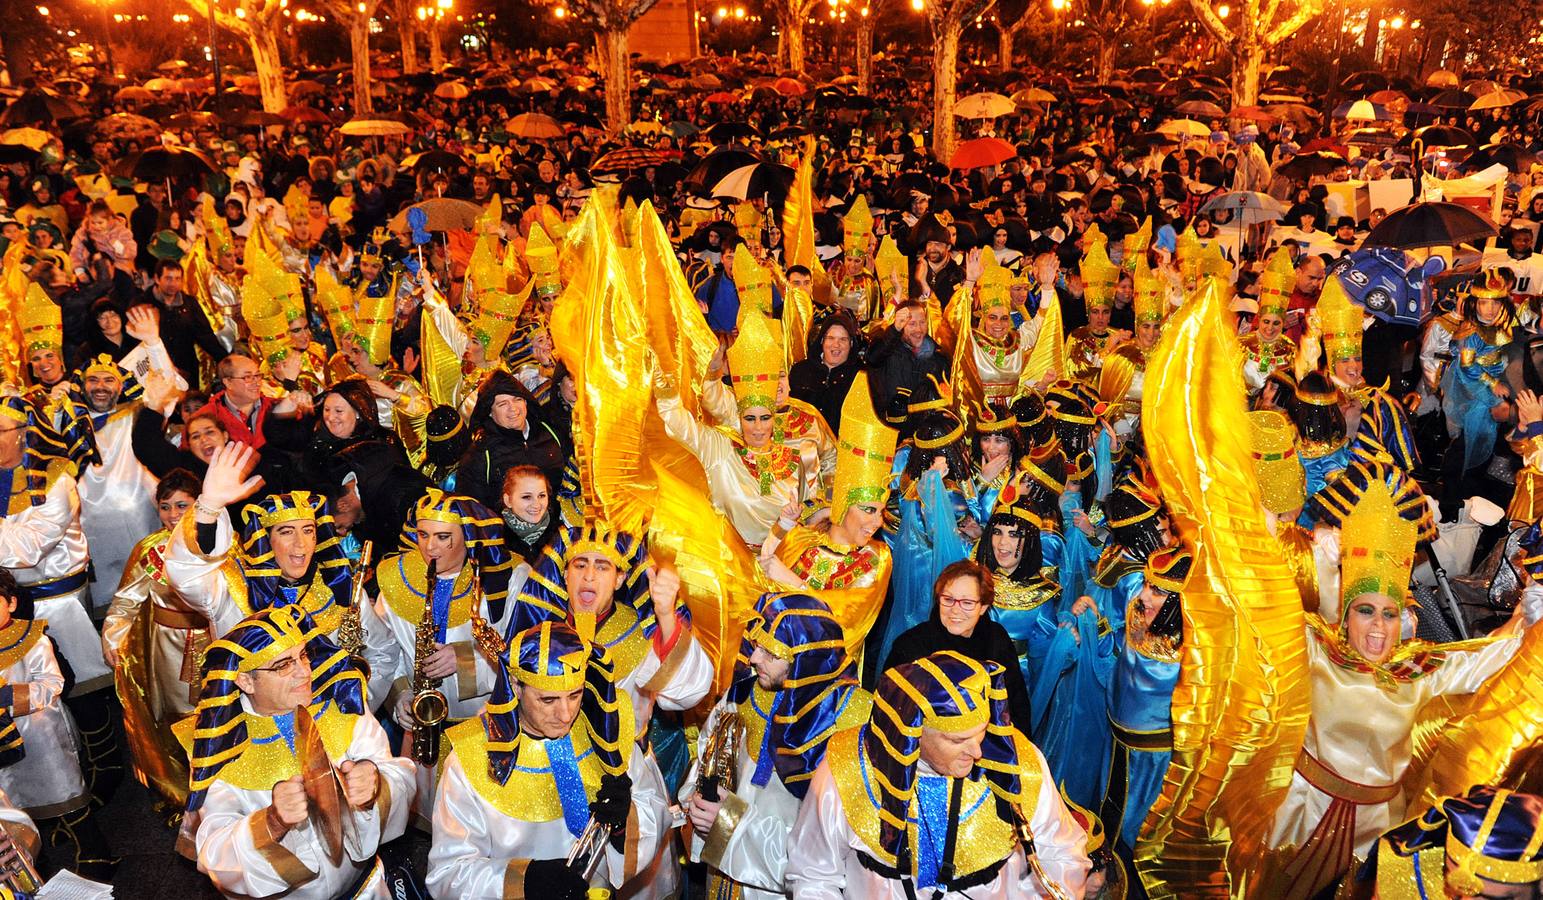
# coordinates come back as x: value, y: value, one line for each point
x: 143, y: 323
x: 230, y: 479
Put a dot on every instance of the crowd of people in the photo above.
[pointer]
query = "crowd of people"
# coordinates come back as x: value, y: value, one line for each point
x: 869, y: 528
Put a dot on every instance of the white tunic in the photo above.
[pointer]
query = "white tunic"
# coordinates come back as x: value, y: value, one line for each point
x: 117, y: 496
x: 45, y: 543
x: 823, y: 862
x: 235, y: 850
x: 755, y: 854
x: 47, y: 781
x: 474, y: 844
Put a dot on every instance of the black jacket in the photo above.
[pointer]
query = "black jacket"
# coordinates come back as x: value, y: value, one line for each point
x: 989, y: 642
x: 822, y: 387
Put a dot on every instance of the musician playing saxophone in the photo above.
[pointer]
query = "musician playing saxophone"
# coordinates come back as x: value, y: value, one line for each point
x: 794, y: 686
x: 553, y: 751
x: 462, y: 538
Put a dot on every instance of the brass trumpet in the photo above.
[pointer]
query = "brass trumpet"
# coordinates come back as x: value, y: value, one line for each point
x: 587, y: 854
x: 429, y: 706
x: 720, y: 756
x: 1026, y: 837
x: 20, y: 875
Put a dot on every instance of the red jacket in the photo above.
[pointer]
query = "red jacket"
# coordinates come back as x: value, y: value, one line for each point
x: 238, y: 429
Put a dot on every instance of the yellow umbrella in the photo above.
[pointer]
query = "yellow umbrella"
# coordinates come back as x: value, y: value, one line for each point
x: 452, y: 90
x: 1033, y: 95
x: 1185, y: 128
x: 645, y: 126
x: 33, y: 138
x: 1441, y: 78
x: 534, y: 125
x: 374, y: 128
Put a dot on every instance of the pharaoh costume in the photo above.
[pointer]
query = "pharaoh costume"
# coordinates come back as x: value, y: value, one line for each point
x: 782, y: 742
x: 1468, y: 387
x: 1489, y: 834
x: 1086, y: 348
x: 851, y: 580
x: 510, y: 801
x: 749, y: 485
x: 239, y: 754
x: 1262, y: 358
x: 46, y: 779
x: 879, y: 822
x: 227, y: 583
x: 1124, y: 372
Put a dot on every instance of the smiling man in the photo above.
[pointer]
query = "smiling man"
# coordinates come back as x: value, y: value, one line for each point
x: 936, y: 768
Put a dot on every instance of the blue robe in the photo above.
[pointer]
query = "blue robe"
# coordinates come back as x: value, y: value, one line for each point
x: 927, y: 542
x: 1465, y: 397
x: 1068, y: 698
x: 1028, y: 613
x: 1140, y: 697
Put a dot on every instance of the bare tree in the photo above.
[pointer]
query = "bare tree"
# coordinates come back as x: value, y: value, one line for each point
x: 355, y: 15
x: 947, y: 19
x: 258, y: 22
x: 612, y: 20
x: 791, y: 16
x: 407, y: 34
x: 1257, y: 27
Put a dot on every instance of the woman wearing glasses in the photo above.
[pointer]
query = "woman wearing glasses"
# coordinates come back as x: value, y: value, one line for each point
x: 964, y: 593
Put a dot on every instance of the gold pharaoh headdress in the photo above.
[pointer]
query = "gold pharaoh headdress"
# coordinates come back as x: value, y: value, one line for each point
x: 753, y: 281
x: 1276, y: 283
x: 42, y: 321
x: 755, y: 363
x: 1099, y: 277
x: 991, y: 289
x: 541, y: 257
x: 1377, y: 548
x: 1282, y: 481
x: 1340, y: 319
x: 1150, y: 300
x: 857, y: 228
x: 865, y: 452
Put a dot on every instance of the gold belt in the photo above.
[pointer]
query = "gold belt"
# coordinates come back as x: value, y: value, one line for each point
x: 1339, y: 787
x: 176, y: 618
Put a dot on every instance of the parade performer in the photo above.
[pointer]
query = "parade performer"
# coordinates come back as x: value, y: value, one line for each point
x: 1266, y: 348
x: 1087, y: 345
x: 937, y: 793
x: 281, y: 706
x: 1487, y: 843
x: 1124, y: 371
x: 552, y: 756
x: 794, y: 686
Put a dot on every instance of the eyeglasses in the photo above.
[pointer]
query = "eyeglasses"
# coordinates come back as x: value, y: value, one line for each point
x: 286, y: 667
x: 967, y: 604
x: 251, y: 376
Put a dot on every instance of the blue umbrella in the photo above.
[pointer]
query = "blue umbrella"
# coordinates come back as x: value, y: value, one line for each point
x: 1387, y: 282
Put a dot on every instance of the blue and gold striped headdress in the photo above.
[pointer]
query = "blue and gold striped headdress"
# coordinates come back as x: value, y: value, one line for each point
x: 949, y: 692
x: 552, y: 657
x: 800, y: 630
x: 545, y: 596
x: 263, y: 578
x: 483, y: 531
x: 220, y: 733
x: 1492, y: 834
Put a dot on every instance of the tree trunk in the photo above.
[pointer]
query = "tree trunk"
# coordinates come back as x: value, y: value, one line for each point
x: 407, y: 33
x: 264, y: 44
x: 618, y: 79
x: 1005, y: 36
x: 436, y: 46
x: 864, y: 54
x: 359, y: 46
x: 1106, y: 48
x: 1247, y: 61
x: 794, y: 33
x: 945, y: 57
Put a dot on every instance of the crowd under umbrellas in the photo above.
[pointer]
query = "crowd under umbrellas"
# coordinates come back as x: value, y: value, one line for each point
x: 1419, y: 183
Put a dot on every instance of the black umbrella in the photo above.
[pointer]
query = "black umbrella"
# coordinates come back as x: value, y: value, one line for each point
x: 16, y: 153
x: 1442, y: 136
x: 1513, y: 156
x: 1430, y: 225
x: 582, y: 119
x: 257, y: 118
x: 1453, y: 99
x: 434, y: 160
x: 1305, y: 165
x: 717, y: 164
x: 626, y: 159
x: 1364, y: 81
x: 199, y: 119
x: 38, y: 105
x: 729, y: 132
x: 163, y: 163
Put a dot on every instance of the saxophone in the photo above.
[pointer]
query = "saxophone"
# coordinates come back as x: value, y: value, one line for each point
x: 1026, y: 837
x: 488, y: 641
x: 351, y: 630
x: 429, y: 706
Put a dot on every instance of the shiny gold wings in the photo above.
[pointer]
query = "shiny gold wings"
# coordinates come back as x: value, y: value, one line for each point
x: 798, y: 226
x: 598, y: 331
x: 964, y: 374
x: 1241, y: 705
x: 1494, y: 738
x: 1049, y: 351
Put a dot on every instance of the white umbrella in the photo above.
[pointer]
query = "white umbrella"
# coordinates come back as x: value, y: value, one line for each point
x: 375, y: 127
x: 1247, y: 207
x: 985, y: 105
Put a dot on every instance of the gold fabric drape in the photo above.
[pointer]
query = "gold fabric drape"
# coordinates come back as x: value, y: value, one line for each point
x: 1241, y: 706
x: 798, y: 237
x: 160, y: 759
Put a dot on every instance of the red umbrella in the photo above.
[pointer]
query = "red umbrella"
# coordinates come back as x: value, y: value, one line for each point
x: 789, y: 87
x: 721, y: 97
x: 981, y: 152
x: 301, y: 113
x: 1253, y: 113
